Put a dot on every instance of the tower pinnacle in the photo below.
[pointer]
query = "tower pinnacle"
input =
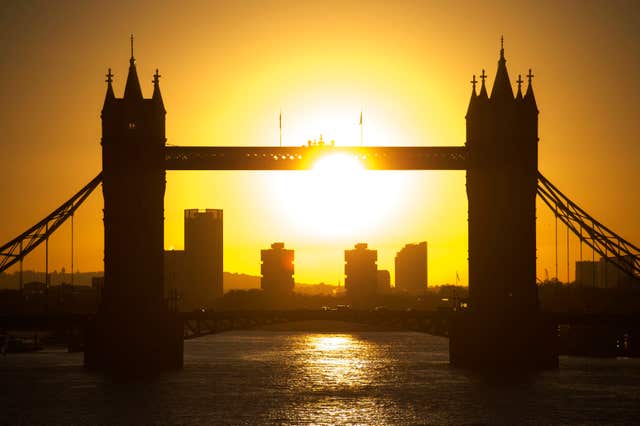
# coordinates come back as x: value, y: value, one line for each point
x: 501, y: 86
x: 156, y: 78
x: 110, y: 96
x: 132, y: 88
x: 157, y: 96
x: 529, y: 97
x: 132, y: 60
x: 483, y: 88
x: 519, y: 81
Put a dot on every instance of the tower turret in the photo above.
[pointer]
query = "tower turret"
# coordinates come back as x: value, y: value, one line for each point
x: 109, y: 97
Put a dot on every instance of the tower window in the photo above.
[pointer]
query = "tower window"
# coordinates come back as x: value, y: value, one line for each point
x: 132, y: 126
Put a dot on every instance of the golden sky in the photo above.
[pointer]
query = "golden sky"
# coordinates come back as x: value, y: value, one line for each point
x: 229, y: 67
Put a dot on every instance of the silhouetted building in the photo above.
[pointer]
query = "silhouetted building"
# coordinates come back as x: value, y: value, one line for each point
x: 277, y: 269
x: 411, y: 268
x: 603, y: 273
x: 503, y: 326
x: 195, y: 274
x: 502, y: 179
x: 384, y: 281
x: 133, y: 330
x: 610, y: 275
x: 586, y: 273
x: 361, y: 272
x: 203, y: 246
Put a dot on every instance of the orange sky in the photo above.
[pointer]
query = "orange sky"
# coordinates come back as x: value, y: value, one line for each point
x: 229, y: 67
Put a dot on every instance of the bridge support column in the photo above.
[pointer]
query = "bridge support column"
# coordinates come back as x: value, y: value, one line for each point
x: 504, y: 326
x: 135, y: 346
x: 134, y: 332
x: 508, y: 342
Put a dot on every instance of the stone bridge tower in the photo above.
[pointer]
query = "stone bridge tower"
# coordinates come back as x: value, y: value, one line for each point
x: 503, y: 321
x: 134, y: 330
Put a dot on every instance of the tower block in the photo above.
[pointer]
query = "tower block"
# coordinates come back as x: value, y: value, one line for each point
x: 134, y: 331
x: 503, y: 326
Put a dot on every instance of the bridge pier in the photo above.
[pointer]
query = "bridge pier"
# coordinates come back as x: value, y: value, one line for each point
x: 504, y: 326
x: 135, y: 345
x: 505, y: 342
x: 134, y: 331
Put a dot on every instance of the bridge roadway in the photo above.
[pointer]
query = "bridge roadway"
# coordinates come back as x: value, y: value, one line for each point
x: 210, y: 322
x: 304, y: 157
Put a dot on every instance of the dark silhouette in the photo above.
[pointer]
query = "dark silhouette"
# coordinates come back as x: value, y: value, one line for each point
x: 134, y: 332
x: 503, y: 326
x: 194, y: 275
x: 411, y: 268
x: 361, y: 274
x: 277, y: 269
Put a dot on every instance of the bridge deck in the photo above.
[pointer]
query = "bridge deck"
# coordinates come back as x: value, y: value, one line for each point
x: 304, y: 157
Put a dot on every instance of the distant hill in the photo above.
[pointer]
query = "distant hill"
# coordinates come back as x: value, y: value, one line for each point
x: 236, y: 281
x: 231, y: 281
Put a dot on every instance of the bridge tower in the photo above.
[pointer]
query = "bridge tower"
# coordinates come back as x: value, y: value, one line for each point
x: 503, y: 326
x: 134, y: 330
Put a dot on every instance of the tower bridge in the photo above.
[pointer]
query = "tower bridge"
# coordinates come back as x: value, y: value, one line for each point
x: 134, y: 329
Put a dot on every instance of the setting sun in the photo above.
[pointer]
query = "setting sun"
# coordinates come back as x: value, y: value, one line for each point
x: 338, y: 197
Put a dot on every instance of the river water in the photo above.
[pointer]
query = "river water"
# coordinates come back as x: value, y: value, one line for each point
x: 263, y: 377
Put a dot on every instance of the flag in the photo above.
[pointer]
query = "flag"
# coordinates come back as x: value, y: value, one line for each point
x: 280, y: 120
x: 361, y: 118
x: 457, y: 276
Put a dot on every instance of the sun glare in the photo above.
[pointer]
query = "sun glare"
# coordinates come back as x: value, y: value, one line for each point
x: 338, y: 197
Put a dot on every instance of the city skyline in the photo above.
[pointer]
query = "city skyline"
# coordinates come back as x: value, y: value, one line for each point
x: 318, y: 104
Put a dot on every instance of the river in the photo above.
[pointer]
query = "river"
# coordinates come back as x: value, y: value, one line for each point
x: 280, y: 377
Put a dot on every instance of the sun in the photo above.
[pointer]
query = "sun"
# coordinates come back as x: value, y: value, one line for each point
x: 337, y: 197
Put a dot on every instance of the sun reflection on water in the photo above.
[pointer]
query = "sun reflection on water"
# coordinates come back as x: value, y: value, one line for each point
x: 344, y: 373
x: 338, y: 360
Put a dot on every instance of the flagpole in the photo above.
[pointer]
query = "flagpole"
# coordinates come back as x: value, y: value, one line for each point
x: 361, y: 140
x: 280, y: 122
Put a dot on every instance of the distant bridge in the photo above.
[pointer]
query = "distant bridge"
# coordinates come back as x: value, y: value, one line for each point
x: 198, y: 323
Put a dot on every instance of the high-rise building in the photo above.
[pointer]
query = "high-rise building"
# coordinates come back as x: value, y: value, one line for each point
x: 277, y: 270
x: 196, y: 273
x: 384, y: 281
x: 610, y: 275
x: 203, y: 247
x: 604, y: 273
x: 586, y: 273
x: 411, y: 268
x: 361, y: 272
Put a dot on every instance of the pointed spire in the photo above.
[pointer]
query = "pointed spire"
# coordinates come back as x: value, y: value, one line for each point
x: 132, y: 60
x: 483, y: 88
x: 157, y: 96
x: 474, y: 97
x: 501, y: 85
x: 132, y: 88
x: 519, y: 81
x: 109, y: 96
x: 529, y: 96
